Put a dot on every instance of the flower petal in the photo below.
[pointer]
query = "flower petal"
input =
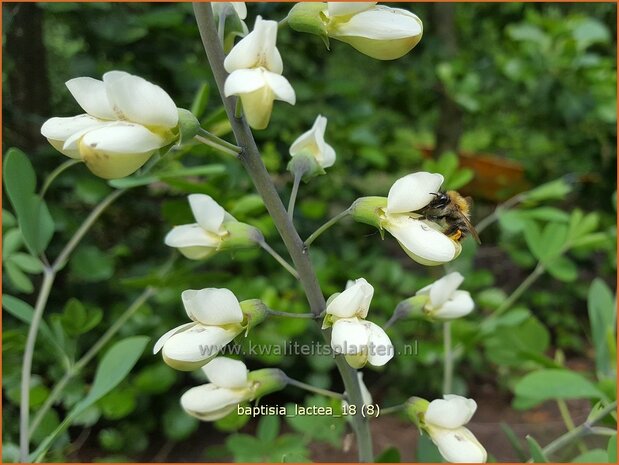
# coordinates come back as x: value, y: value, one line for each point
x: 460, y: 304
x: 212, y: 306
x: 458, y: 445
x: 421, y: 242
x: 382, y: 23
x: 58, y: 130
x: 280, y: 87
x: 353, y: 301
x: 210, y: 402
x: 192, y: 236
x: 226, y: 372
x: 451, y: 412
x: 118, y: 150
x: 380, y: 348
x: 140, y: 101
x: 313, y: 141
x: 443, y: 288
x: 208, y: 213
x: 347, y: 8
x: 349, y: 336
x: 91, y: 95
x: 413, y: 192
x: 196, y: 346
x: 243, y: 81
x: 161, y: 341
x: 257, y: 49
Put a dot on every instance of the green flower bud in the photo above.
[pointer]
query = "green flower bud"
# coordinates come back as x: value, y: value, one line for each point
x: 369, y: 210
x: 188, y: 126
x: 305, y: 165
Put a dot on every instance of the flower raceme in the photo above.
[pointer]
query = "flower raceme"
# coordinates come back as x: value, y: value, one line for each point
x: 360, y: 341
x: 217, y: 317
x: 230, y: 384
x: 378, y: 31
x: 310, y: 152
x: 444, y: 421
x: 214, y: 230
x: 445, y: 300
x: 127, y: 120
x: 400, y: 215
x: 255, y: 68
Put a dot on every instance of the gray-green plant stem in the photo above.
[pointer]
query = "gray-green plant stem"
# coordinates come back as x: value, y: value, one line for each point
x: 293, y: 194
x: 392, y: 409
x: 509, y: 203
x: 289, y: 268
x: 203, y: 134
x: 514, y: 296
x: 448, y: 367
x: 580, y: 431
x: 569, y: 422
x: 251, y: 160
x: 88, y: 356
x: 49, y: 276
x: 311, y: 316
x: 310, y: 388
x: 326, y: 226
x: 55, y: 173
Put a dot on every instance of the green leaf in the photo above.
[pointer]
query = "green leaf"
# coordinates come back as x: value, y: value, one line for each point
x: 513, y: 439
x: 232, y: 422
x: 533, y: 238
x: 543, y: 385
x: 552, y: 241
x: 612, y: 449
x: 427, y: 452
x: 200, y: 101
x: 547, y: 214
x: 28, y: 263
x: 19, y: 180
x: 327, y: 428
x: 537, y: 454
x: 563, y: 269
x: 389, y: 455
x: 11, y: 242
x: 91, y: 265
x: 18, y: 278
x: 602, y: 316
x: 592, y: 456
x: 553, y: 190
x: 177, y: 425
x: 268, y: 428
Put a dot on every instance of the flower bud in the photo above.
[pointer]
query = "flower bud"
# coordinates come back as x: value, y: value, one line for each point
x: 369, y: 210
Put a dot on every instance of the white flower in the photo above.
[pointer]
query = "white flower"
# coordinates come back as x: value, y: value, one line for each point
x: 378, y: 31
x: 255, y: 68
x: 222, y: 8
x: 444, y: 420
x: 313, y: 143
x: 360, y: 341
x: 228, y: 387
x: 420, y: 239
x: 216, y: 320
x: 446, y: 301
x: 128, y: 119
x: 213, y: 230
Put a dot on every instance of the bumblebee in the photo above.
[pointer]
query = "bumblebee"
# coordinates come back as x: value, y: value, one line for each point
x: 453, y: 211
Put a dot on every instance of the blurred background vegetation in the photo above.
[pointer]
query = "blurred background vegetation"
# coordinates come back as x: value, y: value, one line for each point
x: 500, y: 98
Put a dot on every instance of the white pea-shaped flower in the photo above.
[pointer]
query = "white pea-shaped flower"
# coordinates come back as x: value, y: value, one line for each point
x: 255, y: 68
x: 360, y: 341
x: 127, y: 120
x: 229, y: 386
x: 444, y: 421
x: 445, y: 300
x: 214, y: 230
x: 401, y: 214
x: 378, y: 31
x: 312, y: 144
x: 216, y: 317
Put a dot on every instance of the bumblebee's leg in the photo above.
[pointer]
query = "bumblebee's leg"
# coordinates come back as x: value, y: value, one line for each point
x: 453, y: 232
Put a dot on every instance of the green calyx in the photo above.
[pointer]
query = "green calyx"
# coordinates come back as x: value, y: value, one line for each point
x: 415, y: 410
x: 305, y: 165
x: 240, y: 236
x: 266, y: 381
x: 413, y: 307
x: 369, y: 210
x: 188, y: 126
x: 254, y: 312
x: 308, y: 17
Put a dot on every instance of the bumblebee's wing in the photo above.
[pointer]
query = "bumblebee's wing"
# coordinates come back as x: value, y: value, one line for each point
x: 471, y: 228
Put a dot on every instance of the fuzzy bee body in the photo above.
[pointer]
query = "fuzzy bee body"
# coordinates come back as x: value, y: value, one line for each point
x: 453, y: 210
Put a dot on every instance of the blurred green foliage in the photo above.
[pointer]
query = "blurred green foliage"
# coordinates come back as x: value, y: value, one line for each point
x: 533, y: 83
